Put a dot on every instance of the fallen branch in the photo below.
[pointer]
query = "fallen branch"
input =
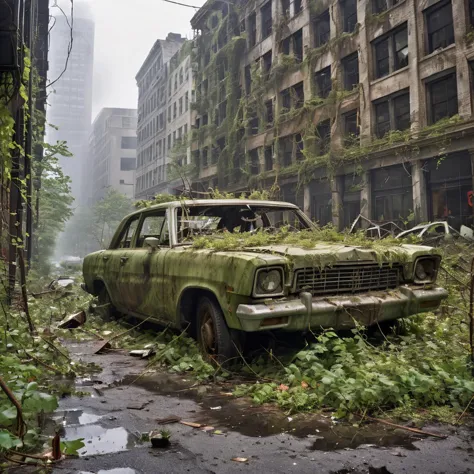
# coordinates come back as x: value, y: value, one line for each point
x: 407, y: 428
x: 465, y: 410
x: 20, y: 422
x: 56, y: 349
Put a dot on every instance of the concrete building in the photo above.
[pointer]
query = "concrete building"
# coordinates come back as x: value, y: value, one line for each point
x: 152, y: 148
x: 112, y: 157
x: 342, y: 106
x: 70, y: 102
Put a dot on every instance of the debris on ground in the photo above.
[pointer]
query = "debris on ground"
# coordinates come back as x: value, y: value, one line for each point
x: 139, y: 406
x: 74, y: 321
x: 142, y: 353
x: 168, y: 421
x: 160, y: 439
x: 240, y: 459
x: 191, y: 424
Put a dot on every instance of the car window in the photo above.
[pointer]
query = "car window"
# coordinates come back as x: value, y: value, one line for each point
x: 126, y: 237
x: 154, y: 225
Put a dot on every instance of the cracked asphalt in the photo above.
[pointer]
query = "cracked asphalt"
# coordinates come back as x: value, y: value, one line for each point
x: 126, y: 402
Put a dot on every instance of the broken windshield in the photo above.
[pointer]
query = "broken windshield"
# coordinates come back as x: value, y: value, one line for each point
x: 208, y: 220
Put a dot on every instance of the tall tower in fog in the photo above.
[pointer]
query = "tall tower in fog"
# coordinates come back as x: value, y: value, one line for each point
x: 70, y: 99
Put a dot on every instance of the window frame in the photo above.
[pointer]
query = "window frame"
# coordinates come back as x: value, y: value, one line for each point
x: 446, y: 75
x: 345, y: 62
x: 166, y: 223
x: 393, y: 61
x: 346, y: 19
x: 266, y: 24
x: 429, y: 35
x: 321, y: 38
x: 319, y: 74
x: 117, y: 239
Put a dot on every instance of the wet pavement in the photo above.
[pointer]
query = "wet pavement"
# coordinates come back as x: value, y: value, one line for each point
x: 126, y: 402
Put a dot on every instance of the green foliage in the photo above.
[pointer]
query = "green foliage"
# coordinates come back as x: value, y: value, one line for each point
x: 71, y: 448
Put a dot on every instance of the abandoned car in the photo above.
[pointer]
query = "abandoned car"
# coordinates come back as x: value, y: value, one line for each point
x: 155, y: 269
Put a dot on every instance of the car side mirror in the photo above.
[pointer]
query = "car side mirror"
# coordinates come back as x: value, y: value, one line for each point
x: 152, y: 242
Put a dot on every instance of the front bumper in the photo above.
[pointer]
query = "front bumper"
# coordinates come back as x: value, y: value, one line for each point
x: 338, y: 312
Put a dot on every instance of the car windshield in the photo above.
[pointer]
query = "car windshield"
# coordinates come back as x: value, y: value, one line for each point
x: 196, y: 221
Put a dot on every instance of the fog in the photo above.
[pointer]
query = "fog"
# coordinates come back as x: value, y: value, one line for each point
x: 124, y: 34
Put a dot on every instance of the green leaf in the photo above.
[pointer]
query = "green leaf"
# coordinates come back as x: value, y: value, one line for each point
x: 72, y: 447
x: 39, y: 401
x: 8, y: 416
x: 8, y: 441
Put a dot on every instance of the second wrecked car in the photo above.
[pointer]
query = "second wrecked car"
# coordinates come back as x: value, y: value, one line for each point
x: 174, y: 262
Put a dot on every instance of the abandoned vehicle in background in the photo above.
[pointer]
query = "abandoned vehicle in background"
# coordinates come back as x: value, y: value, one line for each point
x: 155, y: 269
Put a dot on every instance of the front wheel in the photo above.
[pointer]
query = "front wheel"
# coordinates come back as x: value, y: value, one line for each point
x: 105, y: 309
x: 213, y: 335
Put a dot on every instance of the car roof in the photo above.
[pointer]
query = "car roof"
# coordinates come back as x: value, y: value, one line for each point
x: 216, y: 202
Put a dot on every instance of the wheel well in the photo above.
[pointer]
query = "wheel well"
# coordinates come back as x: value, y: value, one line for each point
x: 188, y: 306
x: 97, y: 287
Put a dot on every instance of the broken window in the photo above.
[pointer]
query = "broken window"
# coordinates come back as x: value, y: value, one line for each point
x: 248, y: 80
x: 392, y: 113
x: 253, y: 126
x: 351, y: 127
x: 323, y: 134
x: 443, y: 97
x: 349, y: 15
x: 299, y: 143
x: 323, y: 82
x: 298, y: 95
x: 439, y: 22
x: 286, y: 147
x: 286, y: 99
x: 268, y: 158
x: 298, y: 45
x: 266, y: 14
x: 269, y: 112
x: 322, y: 29
x: 254, y: 162
x: 267, y: 62
x: 252, y: 29
x: 392, y: 193
x: 350, y: 65
x: 391, y: 52
x: 382, y: 5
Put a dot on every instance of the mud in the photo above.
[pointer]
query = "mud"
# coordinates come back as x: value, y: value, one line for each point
x: 270, y: 440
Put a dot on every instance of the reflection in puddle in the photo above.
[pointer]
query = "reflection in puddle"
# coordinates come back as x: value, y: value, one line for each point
x: 100, y: 440
x: 75, y: 417
x: 119, y: 470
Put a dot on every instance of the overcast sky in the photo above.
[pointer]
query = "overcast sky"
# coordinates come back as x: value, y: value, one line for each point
x: 125, y: 31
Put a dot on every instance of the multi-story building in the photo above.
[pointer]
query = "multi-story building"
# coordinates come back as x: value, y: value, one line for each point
x: 70, y: 102
x: 343, y: 106
x: 112, y: 154
x: 152, y: 81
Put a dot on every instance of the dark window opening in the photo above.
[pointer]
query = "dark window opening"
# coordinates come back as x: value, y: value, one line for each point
x: 351, y: 127
x: 128, y: 164
x: 299, y: 143
x: 323, y: 133
x: 254, y: 162
x: 214, y: 21
x: 298, y: 92
x: 391, y: 52
x: 382, y: 5
x: 322, y: 29
x: 298, y: 6
x: 205, y: 119
x: 221, y: 112
x: 242, y: 26
x: 349, y: 15
x: 298, y: 45
x: 392, y: 193
x: 253, y: 126
x: 439, y: 21
x: 267, y: 62
x: 286, y: 146
x: 350, y: 65
x: 285, y: 46
x: 129, y: 143
x: 266, y: 13
x: 252, y: 30
x: 471, y: 12
x: 443, y: 94
x: 248, y: 80
x: 214, y: 155
x: 268, y: 158
x: 285, y: 7
x: 204, y: 157
x: 392, y: 113
x: 323, y: 82
x: 286, y: 99
x: 269, y: 112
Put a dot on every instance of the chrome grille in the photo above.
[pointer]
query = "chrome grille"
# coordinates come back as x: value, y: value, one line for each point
x: 348, y: 278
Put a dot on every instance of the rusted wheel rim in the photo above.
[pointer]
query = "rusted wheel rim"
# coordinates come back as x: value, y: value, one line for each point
x: 207, y: 334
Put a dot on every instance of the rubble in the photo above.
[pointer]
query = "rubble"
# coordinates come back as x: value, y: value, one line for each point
x: 73, y: 321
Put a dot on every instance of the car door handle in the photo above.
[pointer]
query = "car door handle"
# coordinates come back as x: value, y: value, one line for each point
x: 123, y: 260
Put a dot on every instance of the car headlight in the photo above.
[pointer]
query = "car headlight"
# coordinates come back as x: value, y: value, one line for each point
x: 426, y: 270
x: 269, y: 282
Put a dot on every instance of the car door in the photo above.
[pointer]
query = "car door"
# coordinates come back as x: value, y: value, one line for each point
x: 112, y: 259
x: 143, y: 267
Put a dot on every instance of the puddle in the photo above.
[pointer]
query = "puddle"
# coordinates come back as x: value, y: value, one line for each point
x: 100, y: 440
x: 119, y: 470
x: 242, y: 416
x: 75, y: 417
